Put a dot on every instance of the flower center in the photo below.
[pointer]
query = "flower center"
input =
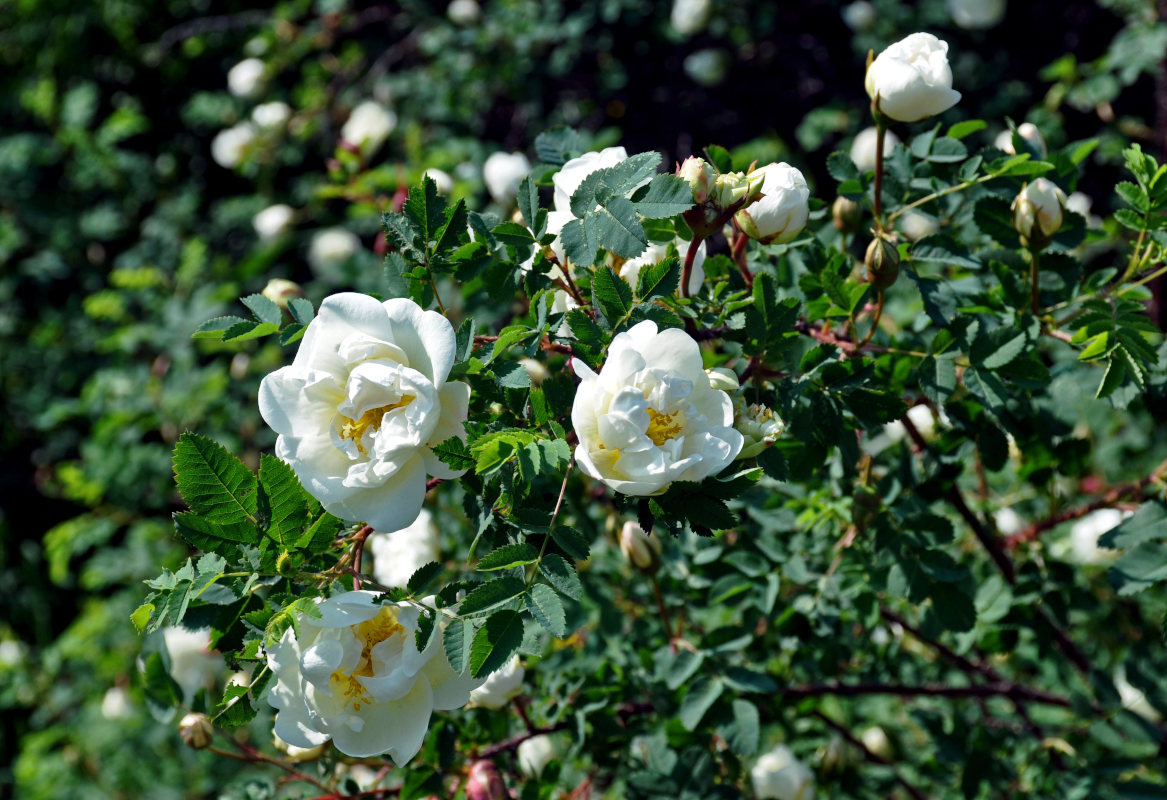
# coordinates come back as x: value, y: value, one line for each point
x: 372, y: 632
x: 662, y: 427
x: 354, y: 429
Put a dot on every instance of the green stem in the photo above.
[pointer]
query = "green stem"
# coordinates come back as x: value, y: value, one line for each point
x: 877, y: 204
x: 551, y: 524
x: 928, y: 198
x: 1033, y: 256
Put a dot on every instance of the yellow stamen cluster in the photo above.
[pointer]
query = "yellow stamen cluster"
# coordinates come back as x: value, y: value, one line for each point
x: 662, y: 427
x: 373, y: 632
x: 354, y: 429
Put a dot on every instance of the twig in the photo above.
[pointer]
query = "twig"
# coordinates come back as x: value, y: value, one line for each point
x: 870, y: 756
x: 224, y: 22
x: 358, y: 551
x: 996, y: 689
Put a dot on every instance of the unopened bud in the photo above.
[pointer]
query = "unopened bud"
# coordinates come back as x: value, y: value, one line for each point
x: 1031, y: 140
x: 484, y: 783
x: 875, y: 739
x: 196, y: 730
x: 537, y: 370
x: 641, y: 549
x: 284, y: 565
x: 759, y: 426
x: 846, y: 214
x: 1038, y: 212
x: 882, y: 261
x: 281, y: 291
x: 731, y: 187
x: 723, y: 378
x: 700, y: 175
x: 837, y: 756
x: 298, y: 755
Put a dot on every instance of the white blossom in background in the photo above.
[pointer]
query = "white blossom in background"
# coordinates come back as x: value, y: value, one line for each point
x: 1081, y: 203
x: 115, y: 703
x: 355, y: 676
x: 1007, y: 521
x: 911, y: 79
x: 1081, y: 546
x: 778, y: 775
x: 758, y: 425
x: 463, y: 12
x: 535, y: 754
x: 273, y: 221
x: 368, y: 126
x: 331, y: 247
x: 269, y: 116
x: 1133, y: 698
x: 783, y: 209
x: 230, y: 145
x: 502, y: 173
x: 707, y: 67
x: 362, y: 404
x: 921, y: 416
x: 863, y: 147
x: 500, y: 687
x: 245, y: 79
x: 650, y: 417
x: 192, y: 664
x: 1029, y: 133
x: 641, y: 549
x: 656, y: 252
x: 916, y: 225
x: 976, y: 14
x: 690, y: 16
x: 876, y: 740
x: 859, y: 16
x: 298, y: 755
x: 443, y: 181
x: 12, y: 653
x: 398, y: 554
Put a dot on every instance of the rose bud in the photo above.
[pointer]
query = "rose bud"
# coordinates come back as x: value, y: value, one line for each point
x: 1038, y: 211
x: 781, y: 213
x: 1031, y: 140
x: 484, y: 782
x: 911, y: 79
x: 778, y: 775
x: 882, y: 261
x: 196, y: 730
x: 641, y: 549
x: 846, y: 214
x: 700, y: 175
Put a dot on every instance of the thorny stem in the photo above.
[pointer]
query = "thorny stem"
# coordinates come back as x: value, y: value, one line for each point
x: 359, y: 550
x: 567, y: 283
x: 874, y: 321
x: 249, y: 753
x: 870, y: 756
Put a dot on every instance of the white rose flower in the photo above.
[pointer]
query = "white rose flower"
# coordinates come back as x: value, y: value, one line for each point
x: 1038, y: 211
x: 782, y: 212
x: 916, y: 225
x: 368, y: 126
x: 690, y: 16
x: 572, y: 174
x: 778, y: 775
x: 911, y: 79
x: 230, y: 145
x: 501, y: 685
x: 1008, y: 521
x: 650, y: 416
x: 273, y: 221
x: 921, y: 416
x: 441, y: 179
x: 863, y: 148
x: 502, y: 173
x: 192, y: 664
x: 1081, y: 547
x: 641, y: 549
x: 356, y: 677
x: 463, y: 12
x: 859, y: 16
x: 1081, y: 203
x: 115, y: 703
x: 1028, y: 133
x: 976, y: 14
x: 535, y: 754
x: 876, y: 740
x: 332, y: 246
x: 245, y: 79
x: 656, y: 252
x: 362, y: 404
x: 269, y: 116
x: 398, y: 554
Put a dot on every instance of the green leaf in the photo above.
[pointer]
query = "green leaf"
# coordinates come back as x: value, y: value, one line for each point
x: 719, y: 157
x: 453, y: 234
x: 659, y: 280
x: 611, y: 295
x: 616, y: 227
x: 492, y: 594
x: 495, y: 642
x: 666, y: 196
x: 281, y: 502
x: 246, y: 331
x: 318, y: 537
x: 547, y: 609
x: 615, y: 181
x: 558, y: 145
x: 746, y: 731
x: 454, y: 454
x: 701, y: 695
x: 223, y: 539
x: 995, y: 219
x: 574, y: 543
x: 996, y: 348
x: 1143, y: 565
x: 213, y: 482
x: 528, y: 201
x: 160, y: 687
x: 214, y: 328
x: 422, y: 577
x: 457, y: 639
x: 263, y: 309
x: 426, y: 631
x: 577, y: 243
x: 141, y: 616
x: 968, y: 126
x: 425, y: 209
x: 508, y: 556
x: 953, y: 608
x: 561, y: 575
x: 842, y: 168
x: 301, y: 310
x: 1149, y: 522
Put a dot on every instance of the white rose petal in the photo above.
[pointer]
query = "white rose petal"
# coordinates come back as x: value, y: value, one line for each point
x: 502, y: 685
x: 650, y: 417
x: 463, y: 12
x: 863, y: 148
x: 332, y: 246
x: 502, y: 173
x: 360, y: 407
x: 656, y: 252
x: 398, y: 554
x: 1039, y: 210
x: 192, y: 664
x: 916, y: 225
x: 269, y: 116
x: 976, y: 14
x: 921, y: 416
x: 572, y: 173
x: 355, y: 676
x: 368, y: 126
x: 1082, y: 546
x: 911, y: 79
x: 535, y: 754
x: 273, y: 221
x: 1133, y: 698
x: 245, y: 79
x: 859, y: 16
x: 115, y: 704
x: 230, y: 145
x: 690, y: 16
x: 778, y: 775
x: 782, y: 212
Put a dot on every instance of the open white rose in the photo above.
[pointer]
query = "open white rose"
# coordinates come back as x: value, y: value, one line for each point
x: 1081, y: 547
x: 230, y: 145
x: 245, y: 79
x: 330, y: 247
x: 778, y: 775
x: 911, y: 79
x: 976, y: 14
x: 356, y: 677
x: 502, y: 173
x: 361, y: 405
x: 192, y: 664
x: 650, y: 416
x: 782, y: 212
x: 500, y: 686
x: 368, y: 126
x: 398, y: 554
x: 859, y: 16
x: 269, y: 116
x: 863, y: 147
x: 655, y: 253
x: 273, y: 221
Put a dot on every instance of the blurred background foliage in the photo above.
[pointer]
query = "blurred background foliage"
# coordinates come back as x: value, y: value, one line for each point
x: 120, y: 234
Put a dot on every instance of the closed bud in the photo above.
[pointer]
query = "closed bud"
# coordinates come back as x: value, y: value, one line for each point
x: 484, y: 782
x: 284, y: 565
x: 281, y: 291
x: 876, y: 740
x: 641, y: 549
x: 723, y: 378
x: 1031, y: 140
x: 196, y: 730
x: 837, y: 756
x: 882, y: 261
x: 846, y: 214
x: 700, y: 175
x: 732, y: 187
x: 783, y: 209
x: 1038, y: 212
